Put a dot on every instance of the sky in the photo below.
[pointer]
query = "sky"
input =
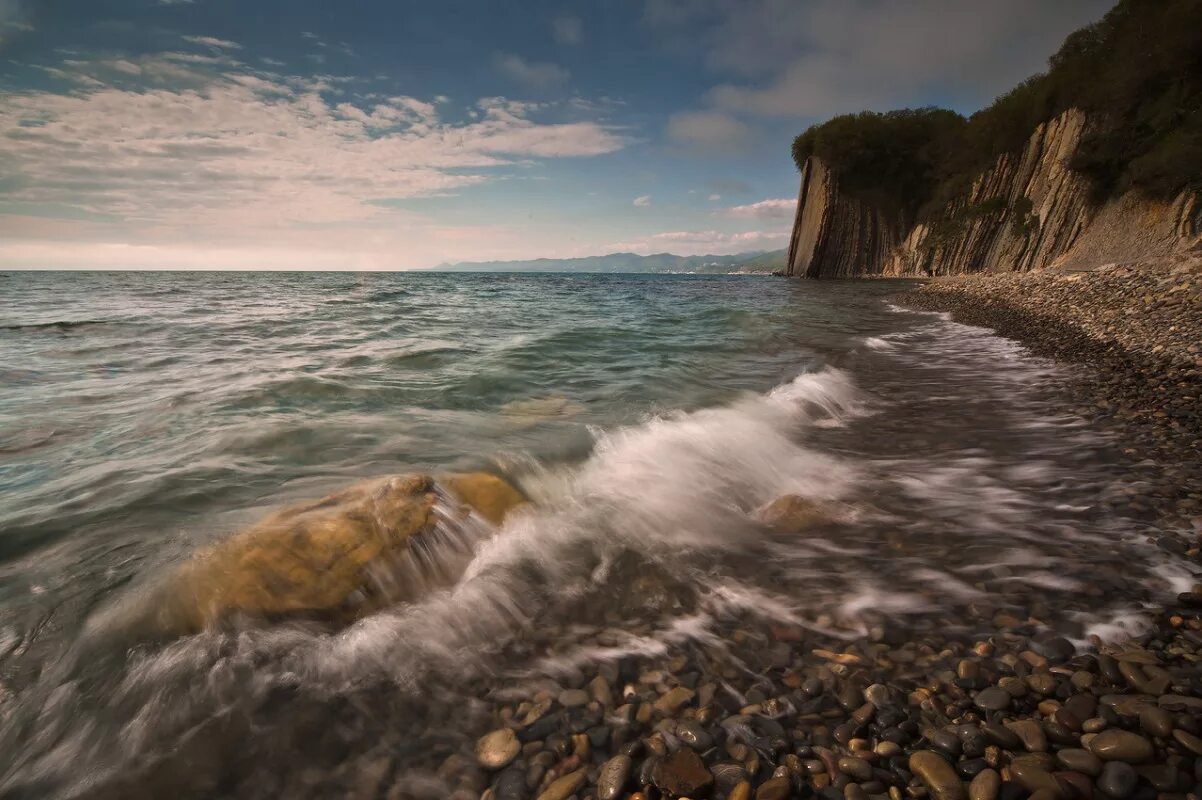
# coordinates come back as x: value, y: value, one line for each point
x: 396, y: 134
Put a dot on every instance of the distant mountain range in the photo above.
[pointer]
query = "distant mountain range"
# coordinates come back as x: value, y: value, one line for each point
x: 759, y: 261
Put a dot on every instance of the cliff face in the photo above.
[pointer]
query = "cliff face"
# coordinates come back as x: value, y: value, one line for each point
x: 1029, y: 211
x: 833, y: 234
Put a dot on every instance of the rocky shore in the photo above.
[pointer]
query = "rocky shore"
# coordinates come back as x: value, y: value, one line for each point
x: 769, y: 711
x: 990, y: 706
x: 1136, y: 332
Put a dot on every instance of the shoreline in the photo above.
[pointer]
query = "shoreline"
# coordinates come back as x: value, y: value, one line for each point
x: 1133, y: 333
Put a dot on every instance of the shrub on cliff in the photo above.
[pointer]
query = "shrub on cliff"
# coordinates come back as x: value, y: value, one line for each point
x: 892, y: 158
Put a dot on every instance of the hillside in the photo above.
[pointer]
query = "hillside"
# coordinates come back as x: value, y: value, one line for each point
x: 632, y: 262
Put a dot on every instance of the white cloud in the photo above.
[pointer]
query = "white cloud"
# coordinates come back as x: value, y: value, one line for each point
x: 708, y: 130
x: 533, y: 75
x: 643, y: 201
x: 783, y: 208
x: 206, y: 151
x: 567, y: 29
x: 707, y: 242
x: 14, y: 17
x: 210, y: 41
x: 715, y: 198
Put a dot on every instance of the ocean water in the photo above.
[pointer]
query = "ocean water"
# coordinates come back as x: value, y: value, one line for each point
x: 145, y: 416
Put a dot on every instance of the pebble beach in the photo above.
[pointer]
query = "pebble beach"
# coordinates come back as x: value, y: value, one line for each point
x: 990, y: 704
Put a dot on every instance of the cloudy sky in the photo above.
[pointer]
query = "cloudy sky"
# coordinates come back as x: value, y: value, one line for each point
x: 385, y: 134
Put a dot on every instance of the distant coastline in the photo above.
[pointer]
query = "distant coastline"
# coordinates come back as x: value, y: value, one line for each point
x: 749, y: 262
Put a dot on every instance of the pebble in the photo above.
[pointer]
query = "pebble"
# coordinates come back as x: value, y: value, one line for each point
x: 496, y: 749
x: 564, y: 787
x: 985, y: 785
x: 992, y: 699
x: 1080, y: 761
x: 1117, y: 779
x: 572, y: 698
x: 1188, y: 741
x: 773, y: 789
x: 611, y: 780
x: 1156, y: 721
x: 857, y: 768
x: 682, y: 773
x: 937, y: 775
x: 673, y: 699
x: 1120, y: 745
x: 1030, y: 733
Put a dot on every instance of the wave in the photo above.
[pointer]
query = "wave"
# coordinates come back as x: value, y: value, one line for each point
x: 60, y: 326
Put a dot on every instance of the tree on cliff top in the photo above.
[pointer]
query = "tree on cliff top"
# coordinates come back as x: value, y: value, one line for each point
x: 1137, y: 72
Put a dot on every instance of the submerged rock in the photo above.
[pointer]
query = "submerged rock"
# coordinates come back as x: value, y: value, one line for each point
x: 378, y: 541
x: 792, y: 513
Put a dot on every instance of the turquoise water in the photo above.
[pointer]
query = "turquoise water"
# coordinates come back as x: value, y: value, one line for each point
x: 649, y: 417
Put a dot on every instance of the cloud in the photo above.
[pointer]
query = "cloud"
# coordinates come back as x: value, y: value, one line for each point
x: 533, y: 75
x: 14, y: 18
x: 567, y: 29
x: 209, y: 41
x: 706, y: 242
x: 783, y: 208
x: 708, y: 130
x: 153, y: 143
x: 643, y: 201
x: 815, y: 59
x: 715, y: 197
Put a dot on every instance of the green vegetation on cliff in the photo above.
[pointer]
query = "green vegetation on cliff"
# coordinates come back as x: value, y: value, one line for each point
x: 1137, y: 73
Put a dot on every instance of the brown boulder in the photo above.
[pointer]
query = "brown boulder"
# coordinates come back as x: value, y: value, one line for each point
x: 792, y: 513
x: 337, y: 556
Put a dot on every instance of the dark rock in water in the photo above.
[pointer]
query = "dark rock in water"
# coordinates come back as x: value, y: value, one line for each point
x: 773, y: 789
x: 511, y: 785
x: 1054, y: 648
x: 694, y: 735
x: 1117, y: 779
x: 564, y: 787
x: 728, y: 775
x: 992, y: 699
x: 682, y: 773
x: 611, y: 781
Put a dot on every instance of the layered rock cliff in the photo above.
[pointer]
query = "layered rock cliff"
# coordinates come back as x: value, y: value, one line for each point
x: 1028, y: 211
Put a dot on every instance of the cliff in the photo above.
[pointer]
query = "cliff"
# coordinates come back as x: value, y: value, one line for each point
x: 1028, y: 211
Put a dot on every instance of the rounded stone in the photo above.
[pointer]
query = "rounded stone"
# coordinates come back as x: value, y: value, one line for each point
x: 1156, y: 721
x: 992, y: 699
x: 985, y: 785
x: 857, y: 768
x: 1120, y: 745
x: 1117, y: 779
x: 497, y: 748
x: 773, y: 789
x: 571, y: 698
x: 937, y: 775
x: 611, y: 781
x: 1080, y: 761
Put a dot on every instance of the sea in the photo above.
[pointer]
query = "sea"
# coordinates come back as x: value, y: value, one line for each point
x: 146, y: 416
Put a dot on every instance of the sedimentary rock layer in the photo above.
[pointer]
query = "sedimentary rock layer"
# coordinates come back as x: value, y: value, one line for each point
x: 1029, y: 211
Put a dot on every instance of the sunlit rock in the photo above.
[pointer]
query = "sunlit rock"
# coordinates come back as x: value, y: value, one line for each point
x: 792, y: 512
x: 375, y: 542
